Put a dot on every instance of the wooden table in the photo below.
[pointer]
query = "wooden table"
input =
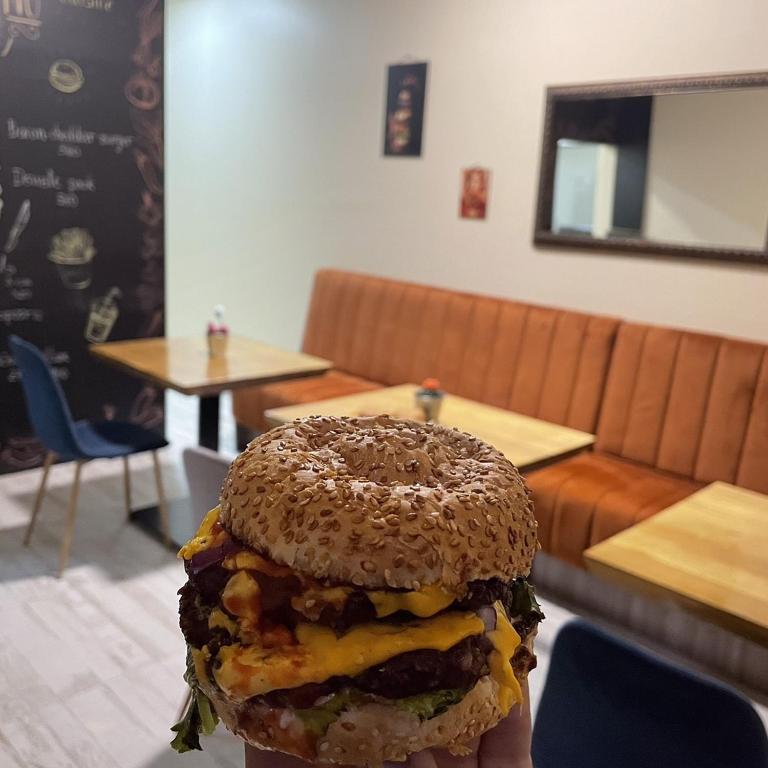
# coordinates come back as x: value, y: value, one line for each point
x: 526, y: 442
x: 185, y: 365
x: 708, y: 552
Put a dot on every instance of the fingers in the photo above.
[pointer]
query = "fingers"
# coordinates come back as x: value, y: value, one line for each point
x: 445, y: 759
x: 508, y: 745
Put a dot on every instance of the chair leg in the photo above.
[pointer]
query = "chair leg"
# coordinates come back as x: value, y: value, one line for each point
x: 71, y: 513
x: 49, y: 457
x: 161, y: 505
x: 127, y: 482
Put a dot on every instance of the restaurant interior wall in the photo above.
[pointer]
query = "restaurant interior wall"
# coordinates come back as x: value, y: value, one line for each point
x: 275, y: 166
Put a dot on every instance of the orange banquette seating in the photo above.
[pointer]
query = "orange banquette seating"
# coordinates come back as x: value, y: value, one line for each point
x: 547, y: 363
x: 680, y: 410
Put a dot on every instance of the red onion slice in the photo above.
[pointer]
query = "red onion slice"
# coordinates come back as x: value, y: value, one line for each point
x: 209, y: 557
x: 488, y: 614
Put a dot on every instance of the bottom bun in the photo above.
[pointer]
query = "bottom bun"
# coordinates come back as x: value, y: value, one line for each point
x: 377, y: 732
x: 368, y: 734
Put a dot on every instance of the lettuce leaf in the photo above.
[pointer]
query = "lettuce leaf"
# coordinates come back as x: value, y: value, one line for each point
x: 430, y: 704
x: 200, y: 716
x: 424, y: 705
x: 523, y: 600
x: 317, y: 719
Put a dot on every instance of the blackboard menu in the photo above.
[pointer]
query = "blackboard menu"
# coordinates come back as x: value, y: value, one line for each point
x: 81, y: 202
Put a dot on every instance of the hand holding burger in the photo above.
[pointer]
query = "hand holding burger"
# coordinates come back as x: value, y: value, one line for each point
x: 360, y: 593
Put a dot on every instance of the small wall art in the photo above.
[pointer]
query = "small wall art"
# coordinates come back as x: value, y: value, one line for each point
x: 404, y: 118
x: 475, y: 185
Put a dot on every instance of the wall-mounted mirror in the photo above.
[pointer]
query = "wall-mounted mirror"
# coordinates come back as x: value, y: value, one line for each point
x: 670, y: 167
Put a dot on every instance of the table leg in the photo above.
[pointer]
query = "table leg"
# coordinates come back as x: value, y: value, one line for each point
x: 182, y: 525
x: 181, y: 522
x: 208, y: 422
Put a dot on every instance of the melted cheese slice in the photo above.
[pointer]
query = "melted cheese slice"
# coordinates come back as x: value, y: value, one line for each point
x: 203, y: 539
x: 218, y: 618
x: 247, y: 560
x: 247, y: 671
x: 505, y: 641
x: 200, y: 658
x: 426, y: 602
x: 242, y: 596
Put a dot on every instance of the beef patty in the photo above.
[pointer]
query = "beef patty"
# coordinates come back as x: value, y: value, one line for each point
x: 405, y: 675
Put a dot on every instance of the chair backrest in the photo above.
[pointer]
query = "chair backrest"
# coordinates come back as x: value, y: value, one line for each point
x: 607, y: 704
x: 205, y: 471
x: 542, y: 362
x: 688, y: 403
x: 47, y: 407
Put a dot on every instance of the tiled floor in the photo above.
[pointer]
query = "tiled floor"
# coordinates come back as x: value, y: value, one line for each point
x: 91, y: 664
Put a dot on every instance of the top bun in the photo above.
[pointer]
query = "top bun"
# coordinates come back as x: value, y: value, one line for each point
x: 381, y: 502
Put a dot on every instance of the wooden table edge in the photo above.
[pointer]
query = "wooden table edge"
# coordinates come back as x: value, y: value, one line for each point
x: 641, y: 585
x: 204, y: 389
x: 536, y: 464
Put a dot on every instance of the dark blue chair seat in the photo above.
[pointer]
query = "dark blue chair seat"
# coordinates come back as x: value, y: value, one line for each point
x: 80, y: 441
x: 608, y: 704
x: 110, y: 439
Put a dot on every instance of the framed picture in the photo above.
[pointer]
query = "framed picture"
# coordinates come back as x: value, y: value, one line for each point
x: 404, y: 119
x: 475, y: 183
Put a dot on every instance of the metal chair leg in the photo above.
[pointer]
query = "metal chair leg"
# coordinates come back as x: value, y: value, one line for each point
x: 49, y: 458
x: 161, y: 505
x: 127, y: 482
x: 71, y: 513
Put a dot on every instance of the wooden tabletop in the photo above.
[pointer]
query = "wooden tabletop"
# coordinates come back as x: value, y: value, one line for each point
x: 185, y: 365
x: 709, y: 552
x: 525, y: 441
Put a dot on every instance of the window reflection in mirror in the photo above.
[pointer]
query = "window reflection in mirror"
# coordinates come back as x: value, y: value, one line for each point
x: 682, y: 168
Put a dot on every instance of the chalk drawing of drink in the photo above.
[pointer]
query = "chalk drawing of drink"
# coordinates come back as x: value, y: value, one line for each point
x: 101, y: 318
x: 72, y: 252
x: 19, y: 225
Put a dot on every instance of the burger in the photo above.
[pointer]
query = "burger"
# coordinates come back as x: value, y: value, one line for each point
x: 360, y: 593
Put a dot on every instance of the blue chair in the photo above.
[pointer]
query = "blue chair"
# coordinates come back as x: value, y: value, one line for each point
x: 608, y: 704
x: 78, y: 441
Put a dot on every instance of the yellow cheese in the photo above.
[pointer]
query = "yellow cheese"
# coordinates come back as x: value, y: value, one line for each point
x: 311, y: 602
x: 202, y: 539
x: 242, y: 596
x: 201, y: 657
x: 247, y: 671
x: 505, y: 641
x: 247, y: 560
x: 218, y: 618
x: 426, y: 602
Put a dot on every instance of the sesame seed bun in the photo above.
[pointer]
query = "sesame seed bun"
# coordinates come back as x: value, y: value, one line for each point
x: 381, y: 502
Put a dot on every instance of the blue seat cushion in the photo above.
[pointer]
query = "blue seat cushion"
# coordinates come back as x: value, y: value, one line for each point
x: 107, y: 439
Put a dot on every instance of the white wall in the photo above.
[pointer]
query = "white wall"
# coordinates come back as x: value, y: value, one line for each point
x: 275, y: 113
x: 708, y: 169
